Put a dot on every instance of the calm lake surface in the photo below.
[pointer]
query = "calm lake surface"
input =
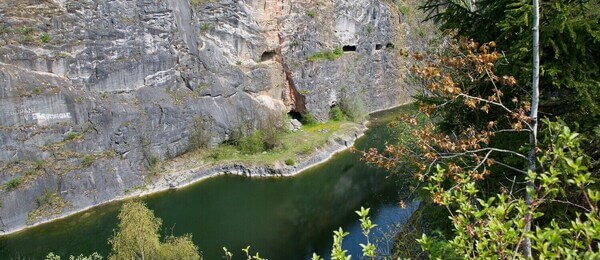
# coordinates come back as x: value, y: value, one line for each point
x: 282, y: 218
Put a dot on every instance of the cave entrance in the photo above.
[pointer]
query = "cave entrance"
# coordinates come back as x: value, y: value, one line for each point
x: 378, y: 47
x: 295, y: 115
x: 389, y: 46
x: 268, y: 55
x: 349, y: 48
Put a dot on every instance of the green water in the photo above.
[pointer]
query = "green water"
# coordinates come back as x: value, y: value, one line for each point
x: 282, y: 218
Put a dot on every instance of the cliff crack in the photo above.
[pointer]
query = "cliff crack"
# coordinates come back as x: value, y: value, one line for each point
x: 297, y: 102
x: 162, y: 115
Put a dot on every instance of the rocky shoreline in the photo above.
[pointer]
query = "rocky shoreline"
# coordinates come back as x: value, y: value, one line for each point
x: 179, y: 179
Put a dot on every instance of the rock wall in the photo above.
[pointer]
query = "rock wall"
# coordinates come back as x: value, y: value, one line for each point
x: 94, y: 91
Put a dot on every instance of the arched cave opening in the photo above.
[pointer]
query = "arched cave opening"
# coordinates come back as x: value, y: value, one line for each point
x: 295, y: 115
x: 389, y: 46
x: 268, y: 55
x: 378, y: 47
x: 349, y: 48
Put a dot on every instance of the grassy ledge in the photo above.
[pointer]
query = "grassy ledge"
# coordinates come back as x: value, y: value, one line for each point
x: 295, y: 147
x: 326, y: 55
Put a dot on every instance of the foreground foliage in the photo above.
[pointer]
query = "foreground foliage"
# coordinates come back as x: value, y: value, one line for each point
x: 94, y: 256
x: 470, y: 152
x: 494, y: 227
x: 475, y: 140
x: 138, y: 237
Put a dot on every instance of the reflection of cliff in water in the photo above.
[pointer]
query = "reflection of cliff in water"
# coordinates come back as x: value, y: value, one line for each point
x: 330, y: 197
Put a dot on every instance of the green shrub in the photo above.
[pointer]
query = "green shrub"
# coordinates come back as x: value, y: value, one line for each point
x: 153, y: 161
x: 87, y: 161
x: 26, y: 34
x: 267, y: 135
x: 72, y: 136
x: 252, y: 144
x: 273, y: 127
x: 14, y: 183
x: 39, y: 164
x: 338, y: 52
x: 308, y: 119
x: 25, y: 30
x: 48, y: 198
x: 311, y: 13
x: 204, y: 27
x: 326, y: 55
x: 290, y: 162
x: 336, y: 114
x: 45, y: 38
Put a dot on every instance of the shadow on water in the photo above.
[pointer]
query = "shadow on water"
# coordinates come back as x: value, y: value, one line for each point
x: 282, y: 218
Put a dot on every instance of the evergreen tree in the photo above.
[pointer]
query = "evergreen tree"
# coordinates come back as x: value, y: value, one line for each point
x: 569, y: 47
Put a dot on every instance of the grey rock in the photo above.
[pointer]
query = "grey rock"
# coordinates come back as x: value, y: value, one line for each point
x: 294, y: 125
x: 120, y: 84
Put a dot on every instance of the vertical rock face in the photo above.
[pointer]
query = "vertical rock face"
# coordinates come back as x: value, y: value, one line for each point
x: 92, y: 91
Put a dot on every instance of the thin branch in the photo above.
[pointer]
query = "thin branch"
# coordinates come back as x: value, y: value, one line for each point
x: 505, y: 59
x: 513, y: 184
x: 451, y: 155
x: 483, y: 161
x: 512, y: 130
x: 487, y: 101
x: 430, y: 167
x: 587, y: 199
x: 445, y: 103
x: 495, y: 87
x: 572, y: 204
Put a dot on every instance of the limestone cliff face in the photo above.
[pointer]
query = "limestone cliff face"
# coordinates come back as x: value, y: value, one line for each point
x: 92, y: 91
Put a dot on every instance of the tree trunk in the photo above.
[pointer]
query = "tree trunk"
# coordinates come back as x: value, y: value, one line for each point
x: 534, y: 121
